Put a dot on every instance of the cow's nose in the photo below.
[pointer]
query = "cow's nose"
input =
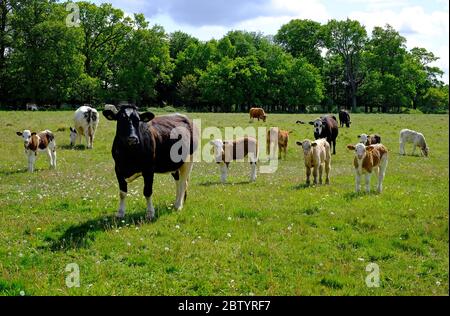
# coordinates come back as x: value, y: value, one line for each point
x: 133, y: 140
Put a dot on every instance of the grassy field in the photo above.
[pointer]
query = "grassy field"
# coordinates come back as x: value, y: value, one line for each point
x: 272, y: 237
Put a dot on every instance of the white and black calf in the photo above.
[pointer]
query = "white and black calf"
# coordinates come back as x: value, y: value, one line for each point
x: 145, y: 145
x: 326, y: 127
x: 86, y: 122
x: 38, y: 142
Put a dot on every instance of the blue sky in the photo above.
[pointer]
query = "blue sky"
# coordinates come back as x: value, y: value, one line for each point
x: 423, y: 23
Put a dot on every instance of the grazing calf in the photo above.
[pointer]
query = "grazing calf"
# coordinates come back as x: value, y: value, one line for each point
x: 369, y: 140
x: 366, y: 159
x: 417, y: 139
x: 86, y: 121
x: 326, y: 127
x: 258, y: 113
x: 344, y: 118
x: 227, y: 151
x: 31, y: 107
x: 145, y: 145
x: 39, y: 142
x: 275, y: 135
x: 317, y: 154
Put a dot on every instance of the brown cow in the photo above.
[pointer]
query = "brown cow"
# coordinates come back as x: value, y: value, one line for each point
x: 282, y: 138
x: 258, y: 113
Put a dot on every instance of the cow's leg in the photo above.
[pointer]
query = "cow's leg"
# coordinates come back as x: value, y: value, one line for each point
x: 320, y: 173
x: 368, y: 175
x: 414, y: 149
x: 315, y: 174
x: 50, y: 157
x: 31, y: 160
x: 358, y: 181
x: 308, y: 176
x: 382, y: 172
x: 334, y: 147
x: 253, y: 157
x: 52, y: 154
x: 86, y: 134
x: 402, y: 148
x: 327, y: 171
x: 123, y: 187
x: 148, y: 192
x: 183, y: 183
x: 223, y: 172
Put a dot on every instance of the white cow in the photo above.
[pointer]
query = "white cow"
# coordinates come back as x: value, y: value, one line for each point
x: 416, y: 138
x: 86, y: 121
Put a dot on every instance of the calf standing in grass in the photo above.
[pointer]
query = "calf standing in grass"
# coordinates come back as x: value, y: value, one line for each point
x: 86, y: 121
x: 317, y: 154
x: 274, y: 135
x: 417, y: 139
x: 344, y: 118
x: 39, y: 142
x: 145, y: 145
x: 368, y: 158
x: 227, y: 151
x: 369, y: 140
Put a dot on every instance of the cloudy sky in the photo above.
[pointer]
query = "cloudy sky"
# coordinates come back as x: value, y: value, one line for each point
x: 424, y: 23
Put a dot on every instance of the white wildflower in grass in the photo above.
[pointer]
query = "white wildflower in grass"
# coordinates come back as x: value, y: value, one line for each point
x: 229, y: 235
x: 229, y: 218
x: 22, y: 293
x: 166, y: 249
x: 177, y: 226
x: 360, y: 259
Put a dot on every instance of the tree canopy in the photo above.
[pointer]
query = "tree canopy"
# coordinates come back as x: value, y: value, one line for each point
x: 109, y: 57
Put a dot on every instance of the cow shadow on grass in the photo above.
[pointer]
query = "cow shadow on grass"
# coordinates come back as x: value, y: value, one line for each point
x: 76, y: 147
x: 216, y: 183
x: 82, y: 235
x: 13, y: 172
x: 350, y: 196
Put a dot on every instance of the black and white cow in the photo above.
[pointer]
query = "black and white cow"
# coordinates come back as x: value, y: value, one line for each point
x: 145, y: 145
x: 326, y: 127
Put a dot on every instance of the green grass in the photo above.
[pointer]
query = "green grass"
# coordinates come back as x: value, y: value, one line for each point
x: 272, y: 237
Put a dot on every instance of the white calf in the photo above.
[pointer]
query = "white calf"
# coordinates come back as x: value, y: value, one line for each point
x: 228, y: 151
x: 417, y: 139
x: 317, y: 154
x: 86, y: 121
x: 34, y: 143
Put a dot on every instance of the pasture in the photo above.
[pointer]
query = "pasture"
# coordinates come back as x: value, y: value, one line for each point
x: 272, y: 237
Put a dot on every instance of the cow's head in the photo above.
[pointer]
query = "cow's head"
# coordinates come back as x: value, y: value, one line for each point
x: 218, y: 147
x: 26, y: 136
x: 363, y: 138
x: 425, y: 151
x: 318, y: 126
x: 361, y: 150
x: 307, y: 146
x: 264, y: 118
x: 73, y: 136
x: 128, y: 120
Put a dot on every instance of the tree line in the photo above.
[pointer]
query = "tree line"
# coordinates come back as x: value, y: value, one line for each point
x: 109, y: 57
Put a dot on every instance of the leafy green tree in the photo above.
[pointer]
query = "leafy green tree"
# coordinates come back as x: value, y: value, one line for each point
x: 179, y: 41
x: 302, y: 38
x: 347, y: 39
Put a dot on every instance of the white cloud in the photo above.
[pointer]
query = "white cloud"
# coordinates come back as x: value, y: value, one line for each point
x: 421, y: 29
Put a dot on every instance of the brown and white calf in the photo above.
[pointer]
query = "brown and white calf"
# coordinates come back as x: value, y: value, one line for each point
x: 227, y: 151
x: 38, y: 142
x: 317, y: 155
x: 369, y: 139
x: 368, y: 158
x: 274, y: 136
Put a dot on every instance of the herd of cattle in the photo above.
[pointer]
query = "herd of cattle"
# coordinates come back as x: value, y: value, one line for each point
x: 145, y: 145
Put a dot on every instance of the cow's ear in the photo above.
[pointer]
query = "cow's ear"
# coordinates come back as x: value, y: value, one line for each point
x: 33, y: 134
x: 147, y: 116
x: 19, y: 133
x: 359, y: 136
x: 311, y: 123
x: 351, y: 147
x: 110, y: 115
x: 314, y: 144
x: 299, y: 143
